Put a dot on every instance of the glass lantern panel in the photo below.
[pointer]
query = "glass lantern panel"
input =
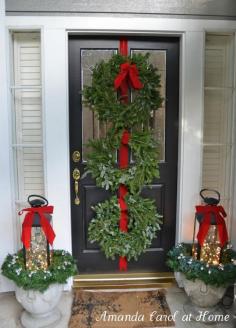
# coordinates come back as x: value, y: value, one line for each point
x: 37, y: 254
x: 211, y: 250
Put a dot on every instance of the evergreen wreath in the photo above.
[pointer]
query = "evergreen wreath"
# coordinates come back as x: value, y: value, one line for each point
x: 103, y: 167
x: 143, y: 224
x: 61, y: 268
x: 102, y: 98
x: 180, y: 260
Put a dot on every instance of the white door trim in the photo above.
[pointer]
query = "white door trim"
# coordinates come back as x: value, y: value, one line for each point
x: 54, y: 31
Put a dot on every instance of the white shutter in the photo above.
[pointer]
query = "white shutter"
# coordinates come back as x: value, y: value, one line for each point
x: 27, y: 112
x: 218, y: 115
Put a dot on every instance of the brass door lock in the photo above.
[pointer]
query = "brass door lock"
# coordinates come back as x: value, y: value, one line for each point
x: 76, y: 156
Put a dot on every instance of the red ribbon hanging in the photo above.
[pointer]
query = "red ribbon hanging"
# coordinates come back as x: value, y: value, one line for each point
x: 122, y: 263
x: 123, y: 47
x: 124, y: 150
x: 219, y: 215
x: 123, y: 208
x: 128, y: 76
x: 123, y: 163
x: 29, y: 220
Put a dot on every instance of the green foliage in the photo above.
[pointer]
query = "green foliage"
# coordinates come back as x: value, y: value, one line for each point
x: 102, y: 162
x: 62, y: 267
x: 180, y: 259
x: 106, y: 102
x: 143, y: 225
x: 102, y: 97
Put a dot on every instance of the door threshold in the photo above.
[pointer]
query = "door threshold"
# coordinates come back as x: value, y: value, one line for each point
x: 124, y: 280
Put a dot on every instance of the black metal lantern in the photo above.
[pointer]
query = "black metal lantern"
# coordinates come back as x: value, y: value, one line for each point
x: 37, y: 233
x: 212, y: 234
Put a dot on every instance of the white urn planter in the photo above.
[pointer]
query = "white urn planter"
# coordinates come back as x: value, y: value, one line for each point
x: 201, y: 294
x: 40, y: 308
x: 203, y: 299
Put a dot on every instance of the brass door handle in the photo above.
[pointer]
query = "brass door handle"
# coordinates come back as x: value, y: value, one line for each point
x: 76, y: 177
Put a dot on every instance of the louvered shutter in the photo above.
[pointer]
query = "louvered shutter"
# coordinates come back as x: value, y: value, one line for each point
x: 28, y: 136
x: 218, y: 115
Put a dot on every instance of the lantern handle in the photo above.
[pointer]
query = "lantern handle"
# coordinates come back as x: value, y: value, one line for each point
x: 38, y: 196
x: 210, y: 200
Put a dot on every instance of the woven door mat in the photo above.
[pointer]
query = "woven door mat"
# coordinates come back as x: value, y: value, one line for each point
x: 139, y: 309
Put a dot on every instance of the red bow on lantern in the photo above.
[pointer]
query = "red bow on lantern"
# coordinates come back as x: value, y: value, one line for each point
x: 128, y: 75
x: 219, y: 214
x: 29, y: 220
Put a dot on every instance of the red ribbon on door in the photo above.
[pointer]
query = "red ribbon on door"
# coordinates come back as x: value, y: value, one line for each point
x: 128, y: 76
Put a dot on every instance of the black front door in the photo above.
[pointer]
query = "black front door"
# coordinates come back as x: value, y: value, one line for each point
x: 84, y: 53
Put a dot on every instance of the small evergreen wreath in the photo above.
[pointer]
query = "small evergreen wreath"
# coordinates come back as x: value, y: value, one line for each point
x: 102, y: 161
x: 143, y: 224
x: 61, y: 268
x: 224, y: 274
x: 103, y: 99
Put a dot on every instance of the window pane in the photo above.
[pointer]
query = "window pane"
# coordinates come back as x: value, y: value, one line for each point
x: 157, y: 122
x: 92, y: 128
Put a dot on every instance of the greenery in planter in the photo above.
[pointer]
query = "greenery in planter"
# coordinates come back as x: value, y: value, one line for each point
x: 134, y: 117
x: 61, y: 268
x: 180, y: 260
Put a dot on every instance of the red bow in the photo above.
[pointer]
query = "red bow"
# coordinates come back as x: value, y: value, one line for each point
x: 29, y: 220
x: 219, y: 214
x: 128, y: 75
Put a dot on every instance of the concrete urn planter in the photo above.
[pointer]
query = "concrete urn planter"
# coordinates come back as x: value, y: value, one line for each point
x: 202, y: 299
x: 40, y: 308
x: 201, y: 294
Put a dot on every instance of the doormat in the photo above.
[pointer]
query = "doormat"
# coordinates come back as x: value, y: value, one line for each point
x: 139, y: 309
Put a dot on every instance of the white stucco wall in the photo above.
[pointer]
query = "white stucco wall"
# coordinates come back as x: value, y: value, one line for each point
x: 55, y: 108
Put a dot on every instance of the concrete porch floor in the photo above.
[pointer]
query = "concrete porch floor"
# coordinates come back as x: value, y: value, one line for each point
x: 10, y: 310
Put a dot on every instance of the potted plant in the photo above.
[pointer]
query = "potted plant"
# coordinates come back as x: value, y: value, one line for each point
x: 39, y: 291
x: 38, y: 271
x: 204, y: 283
